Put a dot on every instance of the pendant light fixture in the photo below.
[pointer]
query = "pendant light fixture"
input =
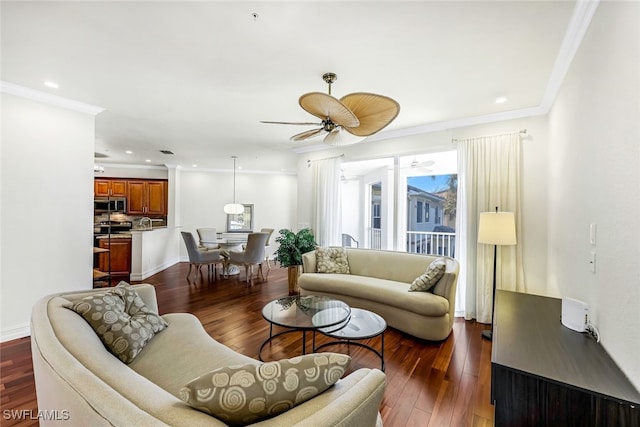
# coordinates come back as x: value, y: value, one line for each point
x: 234, y: 208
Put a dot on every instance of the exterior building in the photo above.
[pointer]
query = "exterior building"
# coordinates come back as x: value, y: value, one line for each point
x: 424, y: 210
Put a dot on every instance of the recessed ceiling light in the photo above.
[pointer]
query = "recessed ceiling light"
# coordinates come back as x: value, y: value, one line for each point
x: 501, y: 100
x: 195, y: 166
x: 129, y: 152
x: 148, y: 160
x: 51, y: 84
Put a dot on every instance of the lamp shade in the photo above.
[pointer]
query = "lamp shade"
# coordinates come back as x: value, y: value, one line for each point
x: 233, y: 208
x: 497, y: 228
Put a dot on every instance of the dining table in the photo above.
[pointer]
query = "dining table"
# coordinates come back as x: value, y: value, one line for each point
x: 227, y: 244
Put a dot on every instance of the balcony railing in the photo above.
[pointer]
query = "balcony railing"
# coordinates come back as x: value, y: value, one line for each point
x: 375, y: 238
x: 431, y: 243
x: 420, y: 242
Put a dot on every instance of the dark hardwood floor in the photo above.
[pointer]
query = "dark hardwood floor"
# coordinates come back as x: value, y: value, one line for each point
x: 428, y: 383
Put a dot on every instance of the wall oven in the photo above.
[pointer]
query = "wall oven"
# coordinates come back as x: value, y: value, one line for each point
x: 109, y: 204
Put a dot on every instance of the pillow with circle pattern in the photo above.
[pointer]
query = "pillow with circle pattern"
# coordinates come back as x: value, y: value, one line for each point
x: 121, y: 319
x: 332, y: 260
x: 429, y: 278
x: 240, y: 395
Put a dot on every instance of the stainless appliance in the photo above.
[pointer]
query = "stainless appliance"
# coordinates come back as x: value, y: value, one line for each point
x: 109, y: 204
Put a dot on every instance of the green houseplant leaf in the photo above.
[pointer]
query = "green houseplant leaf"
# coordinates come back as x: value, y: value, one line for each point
x: 293, y: 245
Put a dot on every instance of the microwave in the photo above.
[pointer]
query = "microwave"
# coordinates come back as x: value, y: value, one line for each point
x: 109, y: 204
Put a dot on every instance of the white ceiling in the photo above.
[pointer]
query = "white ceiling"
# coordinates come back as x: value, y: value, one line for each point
x: 197, y: 77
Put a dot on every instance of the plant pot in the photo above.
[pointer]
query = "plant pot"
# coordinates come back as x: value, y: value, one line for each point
x: 294, y: 272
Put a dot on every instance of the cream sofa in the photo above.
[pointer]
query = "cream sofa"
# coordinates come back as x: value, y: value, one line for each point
x: 87, y: 386
x: 379, y: 281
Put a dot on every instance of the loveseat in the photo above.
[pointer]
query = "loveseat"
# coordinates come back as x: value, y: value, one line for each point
x: 379, y: 281
x: 80, y: 383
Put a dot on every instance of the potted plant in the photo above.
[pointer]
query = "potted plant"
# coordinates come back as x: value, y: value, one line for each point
x: 289, y: 253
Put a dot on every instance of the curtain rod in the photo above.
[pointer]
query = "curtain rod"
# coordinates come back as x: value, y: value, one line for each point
x: 523, y: 131
x: 326, y: 158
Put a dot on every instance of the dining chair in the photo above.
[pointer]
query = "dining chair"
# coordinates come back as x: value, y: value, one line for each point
x: 348, y: 241
x: 269, y: 248
x: 207, y: 236
x: 253, y: 254
x: 201, y: 256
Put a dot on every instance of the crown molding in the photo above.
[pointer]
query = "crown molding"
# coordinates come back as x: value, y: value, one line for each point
x: 459, y: 123
x: 47, y: 98
x: 183, y: 169
x: 582, y: 15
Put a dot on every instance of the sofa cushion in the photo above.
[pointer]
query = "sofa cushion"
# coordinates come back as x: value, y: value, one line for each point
x: 239, y: 395
x: 383, y: 291
x: 429, y: 278
x: 183, y: 352
x: 120, y: 318
x: 332, y: 260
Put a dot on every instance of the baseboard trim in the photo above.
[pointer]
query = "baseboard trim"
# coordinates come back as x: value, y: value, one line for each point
x: 141, y: 276
x: 15, y: 332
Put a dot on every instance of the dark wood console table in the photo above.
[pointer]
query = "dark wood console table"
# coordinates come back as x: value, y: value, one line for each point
x: 544, y: 374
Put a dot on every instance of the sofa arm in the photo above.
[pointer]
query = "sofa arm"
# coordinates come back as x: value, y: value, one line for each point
x: 147, y: 293
x: 309, y: 262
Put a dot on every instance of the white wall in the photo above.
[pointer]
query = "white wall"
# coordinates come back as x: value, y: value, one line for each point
x: 203, y: 195
x: 594, y: 176
x: 46, y: 217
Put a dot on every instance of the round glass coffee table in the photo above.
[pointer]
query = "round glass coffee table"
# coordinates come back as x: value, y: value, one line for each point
x: 361, y: 325
x: 303, y: 313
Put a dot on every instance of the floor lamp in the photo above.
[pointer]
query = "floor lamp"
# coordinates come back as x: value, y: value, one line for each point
x: 496, y: 228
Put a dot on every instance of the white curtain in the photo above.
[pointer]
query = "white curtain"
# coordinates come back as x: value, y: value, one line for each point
x: 326, y: 210
x: 488, y: 177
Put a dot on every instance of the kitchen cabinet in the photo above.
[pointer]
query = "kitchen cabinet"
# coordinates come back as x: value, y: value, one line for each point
x: 117, y: 261
x: 110, y: 187
x: 100, y: 278
x: 147, y: 197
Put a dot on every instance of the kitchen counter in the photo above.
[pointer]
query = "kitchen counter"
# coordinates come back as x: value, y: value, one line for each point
x: 125, y: 235
x: 148, y: 229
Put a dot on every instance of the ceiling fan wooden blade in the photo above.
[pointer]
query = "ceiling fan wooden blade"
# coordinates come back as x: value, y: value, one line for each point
x: 333, y: 138
x: 326, y: 106
x: 306, y: 134
x: 292, y: 123
x: 373, y: 111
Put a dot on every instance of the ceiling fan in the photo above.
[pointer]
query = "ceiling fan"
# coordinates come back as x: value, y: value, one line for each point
x: 419, y: 166
x: 415, y: 164
x: 360, y: 113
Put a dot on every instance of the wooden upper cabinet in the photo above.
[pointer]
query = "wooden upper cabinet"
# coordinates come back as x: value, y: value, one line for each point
x: 157, y: 197
x: 110, y: 187
x: 136, y: 198
x: 147, y: 197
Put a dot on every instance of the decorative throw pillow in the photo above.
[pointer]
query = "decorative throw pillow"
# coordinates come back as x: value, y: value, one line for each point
x: 240, y: 395
x: 332, y: 260
x: 429, y: 278
x: 121, y: 319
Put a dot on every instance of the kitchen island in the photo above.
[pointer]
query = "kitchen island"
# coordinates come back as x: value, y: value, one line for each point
x: 153, y: 250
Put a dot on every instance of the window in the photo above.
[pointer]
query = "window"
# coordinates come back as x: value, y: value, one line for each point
x: 375, y: 215
x: 419, y: 211
x: 437, y: 212
x: 427, y: 209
